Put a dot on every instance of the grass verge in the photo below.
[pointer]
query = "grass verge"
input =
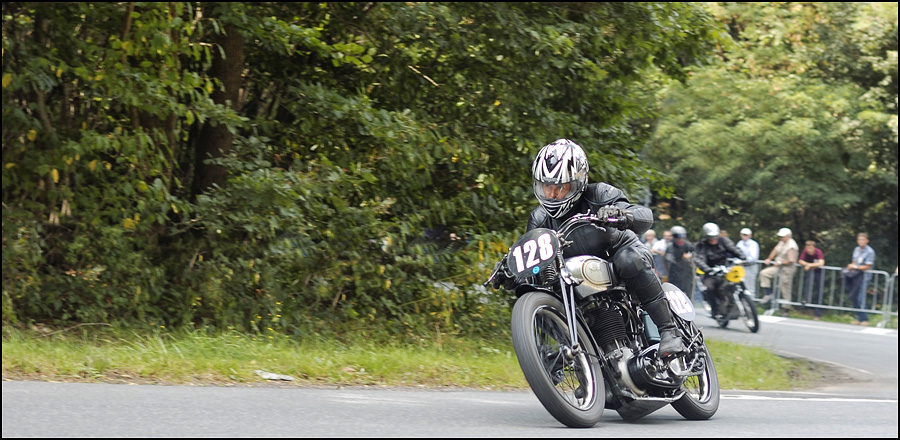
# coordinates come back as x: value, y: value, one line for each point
x: 237, y: 359
x: 840, y: 317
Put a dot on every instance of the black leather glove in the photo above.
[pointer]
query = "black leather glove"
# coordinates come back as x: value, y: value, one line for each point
x: 716, y: 271
x: 498, y: 281
x: 503, y: 281
x: 616, y: 217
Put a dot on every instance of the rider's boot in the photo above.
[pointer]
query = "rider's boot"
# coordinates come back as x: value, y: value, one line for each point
x: 670, y: 338
x: 713, y: 305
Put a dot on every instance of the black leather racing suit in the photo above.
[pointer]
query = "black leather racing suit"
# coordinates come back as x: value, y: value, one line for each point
x: 632, y: 261
x: 706, y: 256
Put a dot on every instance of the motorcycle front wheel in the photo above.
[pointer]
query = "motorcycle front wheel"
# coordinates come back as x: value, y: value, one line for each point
x: 723, y: 322
x: 750, y: 316
x: 701, y: 398
x: 566, y: 380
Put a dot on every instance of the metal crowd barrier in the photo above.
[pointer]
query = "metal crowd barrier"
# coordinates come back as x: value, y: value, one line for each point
x: 829, y: 292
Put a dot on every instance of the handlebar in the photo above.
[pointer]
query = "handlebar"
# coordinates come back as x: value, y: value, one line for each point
x: 502, y: 269
x: 587, y: 218
x: 498, y: 268
x: 577, y: 220
x: 721, y: 269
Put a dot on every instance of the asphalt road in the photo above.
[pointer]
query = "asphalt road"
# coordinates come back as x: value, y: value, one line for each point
x: 42, y: 409
x: 867, y: 354
x: 865, y: 407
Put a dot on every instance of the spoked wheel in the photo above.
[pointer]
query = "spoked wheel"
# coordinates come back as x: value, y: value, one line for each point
x: 701, y: 398
x: 750, y: 316
x: 566, y: 379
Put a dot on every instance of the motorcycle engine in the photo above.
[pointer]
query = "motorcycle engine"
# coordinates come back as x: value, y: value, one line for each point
x: 636, y: 368
x: 607, y: 325
x: 647, y: 370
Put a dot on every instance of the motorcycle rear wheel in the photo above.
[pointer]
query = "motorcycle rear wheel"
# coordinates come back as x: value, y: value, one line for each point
x: 750, y: 317
x: 701, y: 398
x: 569, y: 384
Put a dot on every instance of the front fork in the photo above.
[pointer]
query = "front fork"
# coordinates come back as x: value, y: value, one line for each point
x: 568, y: 297
x: 737, y: 300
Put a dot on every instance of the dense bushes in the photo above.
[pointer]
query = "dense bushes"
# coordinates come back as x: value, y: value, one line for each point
x: 365, y: 163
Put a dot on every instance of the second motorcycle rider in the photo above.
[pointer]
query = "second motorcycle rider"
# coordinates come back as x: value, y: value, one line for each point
x: 713, y: 250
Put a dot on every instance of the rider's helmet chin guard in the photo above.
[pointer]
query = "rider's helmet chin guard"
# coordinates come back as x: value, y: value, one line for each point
x: 559, y: 163
x: 710, y: 230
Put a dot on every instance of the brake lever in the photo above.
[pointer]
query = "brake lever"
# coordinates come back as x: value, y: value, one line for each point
x: 499, y: 267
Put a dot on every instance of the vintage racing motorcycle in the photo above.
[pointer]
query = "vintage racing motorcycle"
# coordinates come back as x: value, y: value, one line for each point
x: 584, y: 343
x: 733, y: 300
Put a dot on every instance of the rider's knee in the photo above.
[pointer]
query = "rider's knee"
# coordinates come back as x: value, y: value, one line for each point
x: 630, y: 262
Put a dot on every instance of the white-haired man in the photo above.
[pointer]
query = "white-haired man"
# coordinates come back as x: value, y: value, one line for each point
x: 781, y: 262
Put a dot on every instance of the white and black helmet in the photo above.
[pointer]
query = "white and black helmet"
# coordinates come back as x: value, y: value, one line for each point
x: 559, y: 163
x: 710, y: 230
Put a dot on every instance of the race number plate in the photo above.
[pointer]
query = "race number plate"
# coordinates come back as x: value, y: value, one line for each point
x: 679, y: 302
x: 533, y: 252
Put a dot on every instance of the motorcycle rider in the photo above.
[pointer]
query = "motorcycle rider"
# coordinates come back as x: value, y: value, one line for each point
x: 560, y: 180
x: 709, y: 252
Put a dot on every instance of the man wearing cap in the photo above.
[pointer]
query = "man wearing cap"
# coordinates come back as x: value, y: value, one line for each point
x: 750, y: 248
x: 783, y: 259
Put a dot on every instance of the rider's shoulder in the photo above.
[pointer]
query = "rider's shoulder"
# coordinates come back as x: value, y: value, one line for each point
x: 539, y: 218
x: 602, y: 193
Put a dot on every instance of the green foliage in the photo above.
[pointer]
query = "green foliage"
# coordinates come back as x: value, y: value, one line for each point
x: 376, y: 165
x: 796, y: 126
x: 81, y: 173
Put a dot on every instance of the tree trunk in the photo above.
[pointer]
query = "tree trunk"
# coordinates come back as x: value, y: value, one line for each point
x: 215, y: 139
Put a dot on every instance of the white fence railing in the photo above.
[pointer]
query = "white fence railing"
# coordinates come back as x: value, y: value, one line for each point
x: 826, y: 291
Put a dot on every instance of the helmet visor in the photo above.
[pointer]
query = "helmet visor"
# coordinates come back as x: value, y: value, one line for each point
x: 552, y: 193
x: 555, y: 191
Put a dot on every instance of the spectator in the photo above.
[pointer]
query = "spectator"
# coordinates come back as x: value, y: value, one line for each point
x: 750, y: 248
x: 659, y: 255
x: 649, y: 237
x: 678, y: 261
x: 856, y: 281
x: 811, y: 259
x: 783, y: 256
